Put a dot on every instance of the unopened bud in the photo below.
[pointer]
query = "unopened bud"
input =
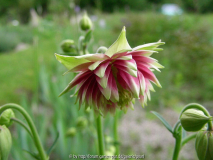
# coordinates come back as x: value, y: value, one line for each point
x: 81, y: 122
x: 68, y: 46
x: 102, y: 49
x: 193, y: 120
x: 5, y: 117
x: 5, y: 142
x: 71, y: 132
x: 85, y: 22
x: 204, y: 145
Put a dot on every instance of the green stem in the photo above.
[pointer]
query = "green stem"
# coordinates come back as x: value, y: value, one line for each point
x: 23, y: 125
x: 100, y: 136
x: 31, y: 126
x: 199, y: 107
x: 178, y: 138
x: 116, y: 133
x: 187, y: 139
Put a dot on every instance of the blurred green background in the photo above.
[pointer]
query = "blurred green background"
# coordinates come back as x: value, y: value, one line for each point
x: 31, y: 32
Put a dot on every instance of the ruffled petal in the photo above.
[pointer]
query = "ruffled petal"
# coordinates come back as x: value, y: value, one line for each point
x: 77, y: 80
x: 100, y: 71
x: 129, y: 82
x: 104, y: 80
x: 150, y: 46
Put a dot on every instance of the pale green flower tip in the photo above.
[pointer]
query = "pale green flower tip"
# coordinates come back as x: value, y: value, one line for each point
x: 121, y: 44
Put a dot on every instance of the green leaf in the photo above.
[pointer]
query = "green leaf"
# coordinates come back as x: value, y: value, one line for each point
x: 70, y: 61
x: 165, y: 123
x: 121, y: 44
x: 53, y: 145
x: 88, y: 37
x: 34, y: 155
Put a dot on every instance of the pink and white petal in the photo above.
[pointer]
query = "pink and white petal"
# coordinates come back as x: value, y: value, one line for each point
x: 127, y: 57
x: 118, y: 55
x: 105, y: 91
x: 114, y: 90
x: 150, y: 87
x: 144, y: 53
x: 148, y: 74
x: 143, y: 59
x: 130, y: 82
x: 95, y: 65
x: 128, y: 63
x: 103, y: 81
x: 100, y: 71
x: 127, y: 70
x: 79, y: 68
x: 142, y: 83
x: 93, y: 57
x: 78, y: 79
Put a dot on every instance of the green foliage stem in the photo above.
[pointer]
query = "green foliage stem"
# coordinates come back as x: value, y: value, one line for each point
x: 100, y: 136
x: 31, y: 126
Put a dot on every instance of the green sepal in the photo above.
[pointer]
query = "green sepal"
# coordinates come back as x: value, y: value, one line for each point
x: 70, y: 61
x: 121, y: 44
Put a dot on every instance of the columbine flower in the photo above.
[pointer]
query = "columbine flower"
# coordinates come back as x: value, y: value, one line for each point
x: 113, y: 79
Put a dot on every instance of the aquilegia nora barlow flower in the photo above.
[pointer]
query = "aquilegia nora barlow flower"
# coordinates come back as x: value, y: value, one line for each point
x: 113, y: 79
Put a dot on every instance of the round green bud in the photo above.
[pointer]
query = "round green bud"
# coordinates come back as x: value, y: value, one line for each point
x: 5, y: 142
x: 193, y: 120
x: 81, y: 122
x: 68, y: 46
x: 5, y: 117
x: 85, y: 22
x: 102, y: 49
x: 204, y: 145
x: 71, y: 132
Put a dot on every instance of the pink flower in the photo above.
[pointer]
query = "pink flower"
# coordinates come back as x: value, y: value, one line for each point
x: 113, y: 79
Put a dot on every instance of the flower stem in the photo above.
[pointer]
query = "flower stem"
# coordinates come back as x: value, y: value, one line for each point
x: 178, y: 138
x: 116, y: 133
x: 199, y: 107
x: 187, y: 139
x: 31, y: 126
x: 100, y: 136
x: 22, y: 124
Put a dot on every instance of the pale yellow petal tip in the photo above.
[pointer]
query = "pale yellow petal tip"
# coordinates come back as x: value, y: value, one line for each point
x: 124, y: 29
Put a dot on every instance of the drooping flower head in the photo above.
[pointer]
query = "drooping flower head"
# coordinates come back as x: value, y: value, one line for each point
x: 112, y: 80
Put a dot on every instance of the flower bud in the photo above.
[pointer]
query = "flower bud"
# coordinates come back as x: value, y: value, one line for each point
x: 85, y: 22
x: 5, y: 142
x: 71, y: 132
x: 193, y: 120
x: 81, y: 122
x: 102, y: 49
x: 5, y: 117
x: 204, y: 145
x: 68, y: 46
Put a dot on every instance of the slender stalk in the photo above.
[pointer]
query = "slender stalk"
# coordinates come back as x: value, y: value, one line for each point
x: 199, y: 107
x: 187, y: 139
x: 115, y: 127
x: 23, y: 125
x: 31, y: 126
x: 100, y: 136
x: 178, y: 138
